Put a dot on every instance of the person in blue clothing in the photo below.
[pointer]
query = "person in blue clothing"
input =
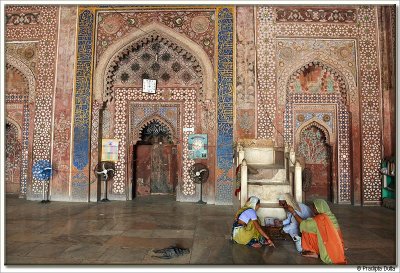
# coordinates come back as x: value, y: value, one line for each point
x: 290, y: 225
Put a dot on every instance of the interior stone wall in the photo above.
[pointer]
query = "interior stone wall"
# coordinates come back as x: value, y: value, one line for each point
x: 253, y: 52
x: 174, y: 29
x: 246, y: 104
x: 387, y: 40
x: 61, y: 156
x: 352, y: 35
x: 25, y: 24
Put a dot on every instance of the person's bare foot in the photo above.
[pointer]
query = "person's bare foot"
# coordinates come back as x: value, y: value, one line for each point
x: 309, y: 254
x: 268, y: 243
x: 256, y: 245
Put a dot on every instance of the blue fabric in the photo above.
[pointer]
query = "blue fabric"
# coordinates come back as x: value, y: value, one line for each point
x: 290, y: 225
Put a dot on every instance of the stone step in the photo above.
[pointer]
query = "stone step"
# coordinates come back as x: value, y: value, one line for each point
x: 266, y: 166
x: 268, y: 193
x: 267, y: 174
x: 271, y: 210
x: 268, y: 182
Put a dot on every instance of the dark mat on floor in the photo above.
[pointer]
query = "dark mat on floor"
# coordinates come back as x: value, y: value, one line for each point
x: 276, y: 234
x: 389, y: 203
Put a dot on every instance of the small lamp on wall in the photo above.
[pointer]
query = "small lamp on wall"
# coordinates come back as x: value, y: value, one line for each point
x: 149, y: 86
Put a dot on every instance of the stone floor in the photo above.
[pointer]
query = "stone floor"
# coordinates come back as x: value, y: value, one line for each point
x: 126, y: 233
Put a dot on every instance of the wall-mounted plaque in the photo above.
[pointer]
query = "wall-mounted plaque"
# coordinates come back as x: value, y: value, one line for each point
x: 198, y: 146
x: 149, y: 86
x: 109, y: 149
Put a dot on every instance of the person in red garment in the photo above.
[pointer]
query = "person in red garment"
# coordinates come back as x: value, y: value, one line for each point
x: 321, y: 234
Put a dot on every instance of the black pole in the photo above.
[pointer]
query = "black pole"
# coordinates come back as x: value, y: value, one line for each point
x: 105, y: 199
x: 45, y: 192
x: 105, y: 191
x: 201, y: 194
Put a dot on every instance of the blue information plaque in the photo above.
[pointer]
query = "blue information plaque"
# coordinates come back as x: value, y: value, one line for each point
x: 197, y: 146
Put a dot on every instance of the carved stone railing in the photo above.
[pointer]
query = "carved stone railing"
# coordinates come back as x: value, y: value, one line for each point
x: 271, y: 154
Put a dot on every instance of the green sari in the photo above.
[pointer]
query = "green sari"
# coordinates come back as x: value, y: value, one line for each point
x: 322, y: 234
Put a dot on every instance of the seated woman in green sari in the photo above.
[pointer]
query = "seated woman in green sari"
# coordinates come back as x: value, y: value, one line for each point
x: 321, y: 234
x: 246, y: 229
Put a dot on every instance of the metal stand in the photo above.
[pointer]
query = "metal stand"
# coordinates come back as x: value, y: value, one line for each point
x: 201, y: 195
x: 45, y: 196
x: 105, y: 199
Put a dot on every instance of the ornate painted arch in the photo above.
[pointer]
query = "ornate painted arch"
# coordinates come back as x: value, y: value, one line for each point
x: 158, y: 118
x: 16, y: 125
x: 347, y: 76
x: 343, y: 86
x: 26, y: 72
x: 345, y: 101
x: 320, y: 125
x: 111, y: 56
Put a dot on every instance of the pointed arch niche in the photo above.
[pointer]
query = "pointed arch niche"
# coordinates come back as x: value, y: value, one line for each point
x: 315, y: 144
x: 327, y: 109
x: 181, y: 96
x: 13, y: 156
x: 23, y: 102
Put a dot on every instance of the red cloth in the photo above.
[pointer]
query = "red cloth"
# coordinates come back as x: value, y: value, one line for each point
x: 331, y: 239
x: 238, y: 169
x: 237, y: 191
x: 309, y: 242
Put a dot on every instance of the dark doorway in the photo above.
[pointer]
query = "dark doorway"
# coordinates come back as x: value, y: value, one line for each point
x: 155, y: 161
x: 318, y: 160
x: 13, y: 153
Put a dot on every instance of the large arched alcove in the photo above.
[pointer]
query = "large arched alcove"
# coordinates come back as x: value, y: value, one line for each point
x: 26, y: 72
x: 155, y: 48
x: 318, y: 91
x: 154, y: 30
x: 315, y: 145
x: 13, y: 157
x: 148, y: 126
x: 154, y: 158
x: 19, y: 98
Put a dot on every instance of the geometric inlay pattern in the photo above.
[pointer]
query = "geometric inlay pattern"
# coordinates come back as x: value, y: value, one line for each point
x: 343, y: 133
x: 46, y: 32
x: 25, y: 52
x: 317, y: 14
x: 363, y: 30
x: 159, y: 61
x: 304, y: 117
x: 224, y: 181
x: 123, y: 96
x: 22, y: 99
x: 315, y: 78
x: 13, y: 152
x: 197, y: 25
x: 371, y: 133
x: 313, y: 146
x: 82, y: 90
x: 141, y: 114
x: 153, y: 57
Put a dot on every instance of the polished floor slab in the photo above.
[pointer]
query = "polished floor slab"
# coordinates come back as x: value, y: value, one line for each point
x: 126, y: 233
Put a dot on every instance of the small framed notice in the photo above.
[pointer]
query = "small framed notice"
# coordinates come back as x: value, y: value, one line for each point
x: 188, y: 129
x: 149, y: 86
x: 109, y: 149
x: 197, y: 146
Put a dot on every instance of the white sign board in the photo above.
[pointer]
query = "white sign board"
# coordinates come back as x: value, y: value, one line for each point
x: 189, y: 129
x: 149, y: 86
x: 109, y: 150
